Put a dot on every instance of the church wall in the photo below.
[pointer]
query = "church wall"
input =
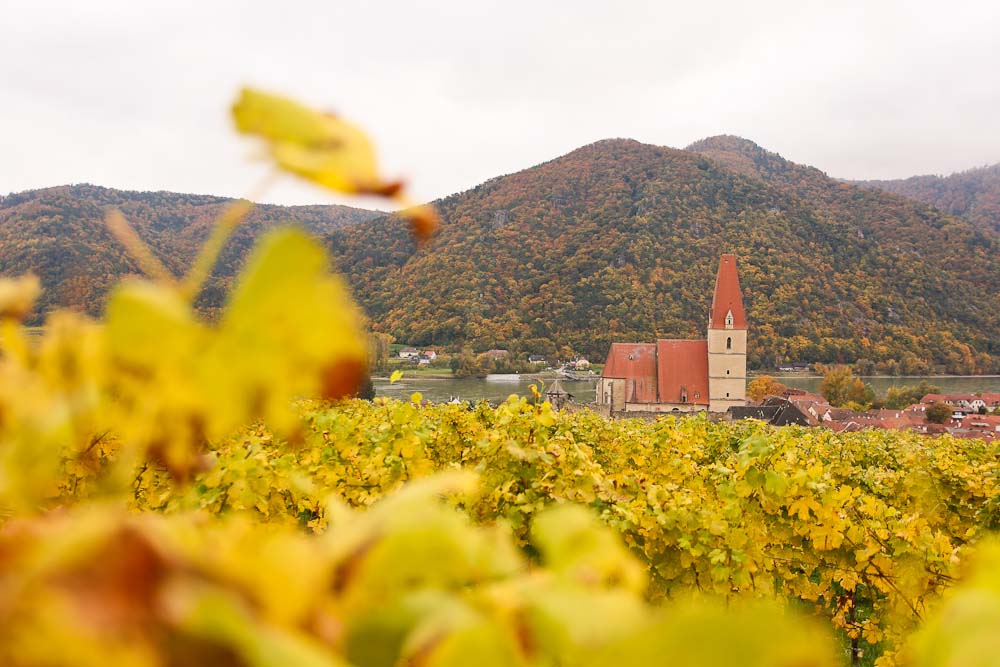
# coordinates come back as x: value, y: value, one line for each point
x: 664, y: 407
x: 611, y: 392
x: 718, y: 364
x: 717, y: 340
x: 727, y: 389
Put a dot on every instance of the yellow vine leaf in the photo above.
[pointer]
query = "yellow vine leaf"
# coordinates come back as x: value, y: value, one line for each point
x: 325, y: 149
x: 181, y: 382
x: 319, y: 146
x: 17, y: 296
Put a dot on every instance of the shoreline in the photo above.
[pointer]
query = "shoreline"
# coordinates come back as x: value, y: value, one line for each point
x: 535, y: 376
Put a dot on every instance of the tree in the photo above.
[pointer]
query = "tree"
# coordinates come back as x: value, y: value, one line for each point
x: 765, y: 385
x: 469, y: 365
x: 900, y: 397
x: 938, y: 413
x: 366, y: 390
x: 840, y: 387
x: 378, y: 351
x: 864, y: 367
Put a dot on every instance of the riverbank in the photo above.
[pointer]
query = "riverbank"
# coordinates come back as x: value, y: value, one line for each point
x: 443, y: 389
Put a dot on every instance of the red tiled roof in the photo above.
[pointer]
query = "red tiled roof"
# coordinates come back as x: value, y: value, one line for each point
x: 953, y: 398
x: 683, y: 364
x: 801, y: 395
x: 990, y: 422
x: 728, y: 296
x: 636, y: 363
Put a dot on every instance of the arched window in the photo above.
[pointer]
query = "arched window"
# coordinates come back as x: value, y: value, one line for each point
x: 729, y: 343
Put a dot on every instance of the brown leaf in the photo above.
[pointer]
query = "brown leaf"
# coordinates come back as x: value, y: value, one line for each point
x: 116, y: 587
x: 424, y: 222
x: 342, y: 378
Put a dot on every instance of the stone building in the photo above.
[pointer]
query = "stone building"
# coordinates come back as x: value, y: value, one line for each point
x: 684, y: 375
x: 557, y: 396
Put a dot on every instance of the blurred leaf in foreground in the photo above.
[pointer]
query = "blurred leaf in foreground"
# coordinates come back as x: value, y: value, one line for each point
x: 325, y: 149
x: 965, y: 630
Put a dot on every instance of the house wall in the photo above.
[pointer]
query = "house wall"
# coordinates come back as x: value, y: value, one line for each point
x: 727, y: 369
x: 664, y: 407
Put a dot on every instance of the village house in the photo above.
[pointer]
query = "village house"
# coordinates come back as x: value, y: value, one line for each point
x: 409, y: 353
x: 970, y: 401
x: 795, y: 406
x: 984, y: 426
x: 684, y: 375
x: 775, y: 410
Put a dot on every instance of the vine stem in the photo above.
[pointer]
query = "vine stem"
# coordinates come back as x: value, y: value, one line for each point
x: 230, y: 219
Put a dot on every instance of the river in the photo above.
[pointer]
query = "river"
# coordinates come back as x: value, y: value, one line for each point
x: 472, y: 389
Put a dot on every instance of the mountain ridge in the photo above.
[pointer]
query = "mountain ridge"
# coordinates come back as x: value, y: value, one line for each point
x: 59, y: 234
x: 973, y: 194
x: 607, y: 214
x: 614, y: 241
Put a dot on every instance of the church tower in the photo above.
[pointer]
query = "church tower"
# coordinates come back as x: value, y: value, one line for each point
x: 727, y: 340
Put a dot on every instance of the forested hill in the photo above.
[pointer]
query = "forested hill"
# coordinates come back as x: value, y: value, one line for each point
x: 619, y: 241
x: 59, y: 234
x: 972, y: 194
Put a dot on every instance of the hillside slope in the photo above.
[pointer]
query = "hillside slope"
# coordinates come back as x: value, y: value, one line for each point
x: 973, y: 194
x: 59, y: 234
x: 618, y: 241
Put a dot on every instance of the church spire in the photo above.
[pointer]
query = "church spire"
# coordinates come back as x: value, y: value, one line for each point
x: 727, y: 303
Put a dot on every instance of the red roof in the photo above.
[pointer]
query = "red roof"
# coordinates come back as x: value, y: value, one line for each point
x: 951, y: 398
x: 728, y: 296
x: 991, y: 422
x: 636, y: 363
x: 683, y: 366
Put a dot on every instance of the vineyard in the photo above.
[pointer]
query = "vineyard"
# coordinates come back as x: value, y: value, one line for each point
x: 182, y: 492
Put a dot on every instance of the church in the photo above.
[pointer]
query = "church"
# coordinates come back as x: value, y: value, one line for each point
x: 684, y: 375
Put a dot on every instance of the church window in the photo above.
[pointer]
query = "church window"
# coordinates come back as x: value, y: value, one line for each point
x: 727, y: 371
x: 727, y: 394
x: 729, y: 343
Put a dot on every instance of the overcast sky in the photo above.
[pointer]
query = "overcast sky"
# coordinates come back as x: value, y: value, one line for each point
x: 135, y: 94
